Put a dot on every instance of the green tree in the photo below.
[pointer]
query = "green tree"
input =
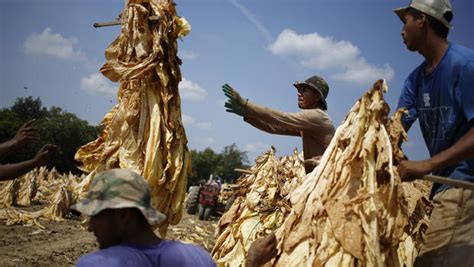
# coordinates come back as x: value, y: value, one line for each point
x: 69, y: 133
x: 203, y: 164
x: 207, y: 162
x: 231, y: 158
x: 54, y: 126
x: 29, y: 108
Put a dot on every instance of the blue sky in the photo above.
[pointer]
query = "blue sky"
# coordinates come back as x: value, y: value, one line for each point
x: 260, y: 47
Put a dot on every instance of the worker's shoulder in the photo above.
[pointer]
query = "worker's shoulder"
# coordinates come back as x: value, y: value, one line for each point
x: 112, y: 256
x: 176, y: 253
x: 461, y: 53
x: 459, y: 59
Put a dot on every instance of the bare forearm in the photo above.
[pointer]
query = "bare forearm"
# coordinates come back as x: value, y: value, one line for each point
x: 12, y: 171
x: 6, y: 147
x: 463, y: 149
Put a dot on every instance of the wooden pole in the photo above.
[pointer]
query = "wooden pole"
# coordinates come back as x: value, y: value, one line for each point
x: 449, y: 181
x: 244, y: 171
x: 118, y: 22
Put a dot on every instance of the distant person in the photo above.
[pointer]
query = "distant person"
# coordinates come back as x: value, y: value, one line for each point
x: 312, y: 123
x: 440, y: 94
x: 26, y: 133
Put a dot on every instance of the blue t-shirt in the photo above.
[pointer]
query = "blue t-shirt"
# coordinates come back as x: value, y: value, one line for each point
x: 166, y: 253
x: 443, y: 102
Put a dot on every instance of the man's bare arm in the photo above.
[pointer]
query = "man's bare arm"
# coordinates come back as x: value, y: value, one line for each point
x: 463, y: 149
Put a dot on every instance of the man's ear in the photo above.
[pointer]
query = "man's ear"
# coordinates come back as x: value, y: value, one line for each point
x: 422, y: 20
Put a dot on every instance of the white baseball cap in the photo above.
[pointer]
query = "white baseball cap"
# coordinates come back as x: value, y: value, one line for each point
x: 435, y: 8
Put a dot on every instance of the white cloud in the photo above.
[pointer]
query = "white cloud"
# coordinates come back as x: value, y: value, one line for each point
x: 204, y: 125
x: 324, y: 53
x: 258, y: 147
x: 186, y: 54
x: 53, y: 44
x: 97, y: 84
x: 191, y: 91
x: 362, y: 72
x: 188, y: 120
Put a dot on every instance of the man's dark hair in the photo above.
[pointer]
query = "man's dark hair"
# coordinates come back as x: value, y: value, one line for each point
x: 437, y: 26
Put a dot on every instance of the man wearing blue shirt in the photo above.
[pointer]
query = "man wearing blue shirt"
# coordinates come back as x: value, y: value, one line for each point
x: 122, y: 219
x: 440, y: 94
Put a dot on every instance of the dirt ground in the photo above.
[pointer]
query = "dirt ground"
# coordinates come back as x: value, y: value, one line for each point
x: 62, y: 243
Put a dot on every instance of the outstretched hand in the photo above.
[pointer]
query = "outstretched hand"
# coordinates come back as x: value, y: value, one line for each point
x: 235, y: 104
x: 44, y: 154
x: 27, y: 132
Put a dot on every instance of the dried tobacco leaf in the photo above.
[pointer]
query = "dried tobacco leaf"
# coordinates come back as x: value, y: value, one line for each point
x: 259, y: 207
x: 353, y: 209
x: 144, y: 131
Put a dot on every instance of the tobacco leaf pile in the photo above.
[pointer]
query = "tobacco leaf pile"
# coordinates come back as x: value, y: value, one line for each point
x: 353, y: 209
x: 39, y: 186
x: 259, y: 207
x: 144, y: 131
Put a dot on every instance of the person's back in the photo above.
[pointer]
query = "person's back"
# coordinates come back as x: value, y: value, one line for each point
x: 121, y: 217
x: 165, y: 253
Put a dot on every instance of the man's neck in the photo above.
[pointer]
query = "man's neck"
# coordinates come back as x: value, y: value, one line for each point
x: 140, y: 235
x: 433, y: 52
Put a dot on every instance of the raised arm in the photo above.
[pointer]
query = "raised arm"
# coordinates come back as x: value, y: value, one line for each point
x: 26, y: 133
x: 12, y: 171
x: 271, y: 128
x: 274, y: 121
x: 304, y: 120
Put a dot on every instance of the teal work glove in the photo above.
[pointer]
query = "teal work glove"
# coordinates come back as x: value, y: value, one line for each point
x: 235, y: 104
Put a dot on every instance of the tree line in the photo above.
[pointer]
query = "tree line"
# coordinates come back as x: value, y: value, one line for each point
x: 54, y: 125
x: 222, y: 164
x: 68, y: 132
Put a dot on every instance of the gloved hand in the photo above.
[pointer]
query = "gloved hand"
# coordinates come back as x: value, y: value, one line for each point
x: 235, y: 104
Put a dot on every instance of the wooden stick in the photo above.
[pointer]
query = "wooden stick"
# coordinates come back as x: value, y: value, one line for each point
x: 244, y: 171
x: 118, y: 22
x: 449, y: 181
x: 106, y: 24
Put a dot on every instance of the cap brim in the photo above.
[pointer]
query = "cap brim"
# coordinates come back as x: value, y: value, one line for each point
x: 303, y: 84
x: 90, y: 208
x: 401, y: 13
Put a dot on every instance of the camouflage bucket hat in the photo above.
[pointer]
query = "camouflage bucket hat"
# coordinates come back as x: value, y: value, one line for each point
x: 316, y: 83
x: 119, y: 188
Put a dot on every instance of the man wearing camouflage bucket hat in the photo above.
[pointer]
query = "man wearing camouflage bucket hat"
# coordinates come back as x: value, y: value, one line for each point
x: 312, y: 123
x: 118, y: 202
x: 440, y: 94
